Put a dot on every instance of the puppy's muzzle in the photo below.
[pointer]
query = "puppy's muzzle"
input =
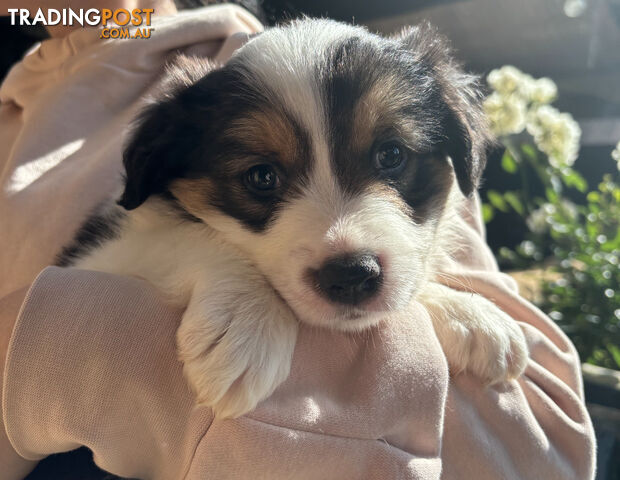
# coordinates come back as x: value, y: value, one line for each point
x: 350, y: 279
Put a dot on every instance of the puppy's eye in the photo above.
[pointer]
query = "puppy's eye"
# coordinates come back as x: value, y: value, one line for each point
x: 390, y: 157
x: 262, y: 179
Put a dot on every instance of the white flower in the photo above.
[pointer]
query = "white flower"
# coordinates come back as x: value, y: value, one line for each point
x: 520, y: 101
x: 537, y: 221
x: 506, y: 113
x: 510, y: 80
x: 541, y: 218
x: 506, y: 80
x: 569, y: 208
x: 543, y: 90
x: 615, y: 154
x: 527, y: 85
x: 556, y: 134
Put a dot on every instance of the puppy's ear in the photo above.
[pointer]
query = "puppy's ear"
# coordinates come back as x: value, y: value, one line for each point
x: 163, y: 135
x: 464, y: 122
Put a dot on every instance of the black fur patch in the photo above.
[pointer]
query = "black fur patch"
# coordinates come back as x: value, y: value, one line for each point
x: 98, y: 229
x: 193, y: 134
x: 405, y: 93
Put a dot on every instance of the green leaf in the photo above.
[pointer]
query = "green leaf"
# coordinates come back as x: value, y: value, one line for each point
x: 573, y: 179
x: 615, y: 353
x: 528, y: 150
x: 497, y: 200
x: 513, y: 200
x: 552, y: 196
x: 508, y: 163
x: 487, y: 212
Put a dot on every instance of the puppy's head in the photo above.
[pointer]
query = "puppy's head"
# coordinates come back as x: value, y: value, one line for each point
x: 325, y: 153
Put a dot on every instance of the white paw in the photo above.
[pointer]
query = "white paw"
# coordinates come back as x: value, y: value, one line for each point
x: 476, y: 336
x: 494, y: 349
x: 236, y: 346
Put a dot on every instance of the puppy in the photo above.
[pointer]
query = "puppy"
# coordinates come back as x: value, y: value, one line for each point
x: 310, y: 179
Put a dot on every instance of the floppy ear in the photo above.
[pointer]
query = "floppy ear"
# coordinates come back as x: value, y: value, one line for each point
x: 163, y: 134
x: 464, y: 121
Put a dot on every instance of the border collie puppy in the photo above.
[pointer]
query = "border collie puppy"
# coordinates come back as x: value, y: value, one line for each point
x: 310, y: 179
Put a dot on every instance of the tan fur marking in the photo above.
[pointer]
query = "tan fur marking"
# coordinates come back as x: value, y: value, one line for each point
x: 377, y: 110
x: 380, y: 189
x: 268, y: 133
x: 193, y: 194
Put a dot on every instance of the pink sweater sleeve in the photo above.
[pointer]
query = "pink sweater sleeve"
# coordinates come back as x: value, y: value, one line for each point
x: 92, y: 362
x: 537, y: 427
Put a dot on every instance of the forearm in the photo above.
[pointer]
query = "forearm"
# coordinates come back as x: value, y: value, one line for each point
x: 14, y: 466
x: 512, y: 422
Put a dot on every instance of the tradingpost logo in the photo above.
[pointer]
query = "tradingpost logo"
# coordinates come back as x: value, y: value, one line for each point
x: 117, y: 23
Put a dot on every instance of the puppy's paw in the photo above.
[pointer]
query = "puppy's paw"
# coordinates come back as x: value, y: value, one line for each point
x: 492, y: 347
x: 477, y: 336
x: 236, y: 347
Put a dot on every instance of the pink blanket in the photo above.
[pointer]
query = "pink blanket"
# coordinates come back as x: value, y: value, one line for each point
x: 92, y: 359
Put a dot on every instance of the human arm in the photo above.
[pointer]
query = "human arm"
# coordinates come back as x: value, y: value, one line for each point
x: 14, y: 466
x: 99, y: 355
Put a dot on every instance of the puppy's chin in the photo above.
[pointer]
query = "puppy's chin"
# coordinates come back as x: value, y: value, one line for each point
x: 354, y: 320
x: 315, y: 311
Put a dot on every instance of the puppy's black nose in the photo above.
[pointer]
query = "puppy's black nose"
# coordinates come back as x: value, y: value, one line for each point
x: 350, y: 279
